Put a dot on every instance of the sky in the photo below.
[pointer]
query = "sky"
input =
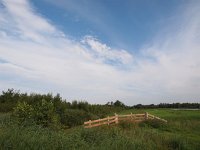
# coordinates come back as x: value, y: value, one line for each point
x: 135, y: 51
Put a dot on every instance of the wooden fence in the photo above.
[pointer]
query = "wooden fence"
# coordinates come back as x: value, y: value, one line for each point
x: 117, y: 118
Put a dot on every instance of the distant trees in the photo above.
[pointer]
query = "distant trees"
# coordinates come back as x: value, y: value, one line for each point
x: 49, y: 110
x: 8, y: 99
x: 118, y: 104
x: 167, y: 105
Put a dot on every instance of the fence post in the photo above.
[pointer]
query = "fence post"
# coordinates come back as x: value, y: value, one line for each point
x: 116, y: 119
x: 108, y: 120
x: 146, y: 115
x: 90, y: 125
x: 131, y: 116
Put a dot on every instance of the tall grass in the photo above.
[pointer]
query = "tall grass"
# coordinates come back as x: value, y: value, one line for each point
x: 144, y: 136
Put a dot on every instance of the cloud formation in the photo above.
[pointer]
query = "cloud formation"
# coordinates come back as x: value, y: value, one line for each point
x: 106, y: 53
x: 36, y: 56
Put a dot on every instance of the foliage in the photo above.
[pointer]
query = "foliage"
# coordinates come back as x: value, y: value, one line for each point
x: 74, y: 117
x: 45, y: 110
x: 48, y: 110
x: 167, y: 105
x: 11, y: 97
x: 8, y: 99
x: 23, y: 112
x: 182, y: 132
x: 42, y: 113
x: 118, y: 104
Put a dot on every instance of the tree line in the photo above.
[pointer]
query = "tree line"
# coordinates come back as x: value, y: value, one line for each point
x: 167, y: 105
x: 50, y: 110
x: 53, y: 110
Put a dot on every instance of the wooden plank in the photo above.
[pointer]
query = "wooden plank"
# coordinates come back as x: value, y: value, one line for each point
x: 104, y: 119
x: 124, y: 115
x: 139, y: 114
x: 99, y: 120
x: 125, y: 119
x: 156, y: 117
x: 139, y: 117
x: 113, y: 117
x: 99, y: 124
x: 112, y: 121
x: 132, y: 117
x: 87, y: 122
x: 94, y: 121
x: 151, y: 115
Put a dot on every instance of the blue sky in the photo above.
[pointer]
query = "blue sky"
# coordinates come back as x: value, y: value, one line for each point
x: 136, y: 51
x: 123, y: 24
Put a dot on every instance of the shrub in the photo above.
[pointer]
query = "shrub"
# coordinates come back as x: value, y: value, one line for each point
x: 8, y: 100
x: 23, y: 112
x: 42, y: 113
x: 74, y: 117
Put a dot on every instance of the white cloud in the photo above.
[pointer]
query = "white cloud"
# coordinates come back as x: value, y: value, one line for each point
x: 37, y: 56
x: 25, y: 21
x: 107, y: 53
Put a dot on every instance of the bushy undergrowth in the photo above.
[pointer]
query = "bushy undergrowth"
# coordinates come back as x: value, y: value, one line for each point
x: 74, y: 117
x: 42, y: 113
x: 126, y: 124
x: 17, y: 137
x: 46, y: 121
x: 48, y: 110
x: 154, y: 124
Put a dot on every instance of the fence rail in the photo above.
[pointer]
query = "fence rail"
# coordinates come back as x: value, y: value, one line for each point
x: 117, y: 118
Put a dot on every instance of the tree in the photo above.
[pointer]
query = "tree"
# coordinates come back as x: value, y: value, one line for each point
x: 118, y: 103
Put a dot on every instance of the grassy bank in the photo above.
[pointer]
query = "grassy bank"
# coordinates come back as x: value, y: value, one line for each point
x: 181, y: 132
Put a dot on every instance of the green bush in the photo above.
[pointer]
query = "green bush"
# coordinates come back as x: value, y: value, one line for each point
x: 42, y: 113
x: 74, y: 117
x: 8, y: 100
x: 23, y: 112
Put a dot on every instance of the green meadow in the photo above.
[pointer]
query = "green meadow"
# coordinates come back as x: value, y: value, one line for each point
x: 181, y: 132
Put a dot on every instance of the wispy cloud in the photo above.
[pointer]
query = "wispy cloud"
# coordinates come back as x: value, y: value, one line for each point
x: 107, y: 53
x: 36, y: 56
x: 26, y: 22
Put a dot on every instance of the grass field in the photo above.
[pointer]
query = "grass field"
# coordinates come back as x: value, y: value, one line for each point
x: 181, y: 132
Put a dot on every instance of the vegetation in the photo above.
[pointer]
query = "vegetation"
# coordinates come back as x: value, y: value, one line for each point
x: 173, y: 105
x: 48, y: 110
x: 181, y: 132
x: 35, y: 121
